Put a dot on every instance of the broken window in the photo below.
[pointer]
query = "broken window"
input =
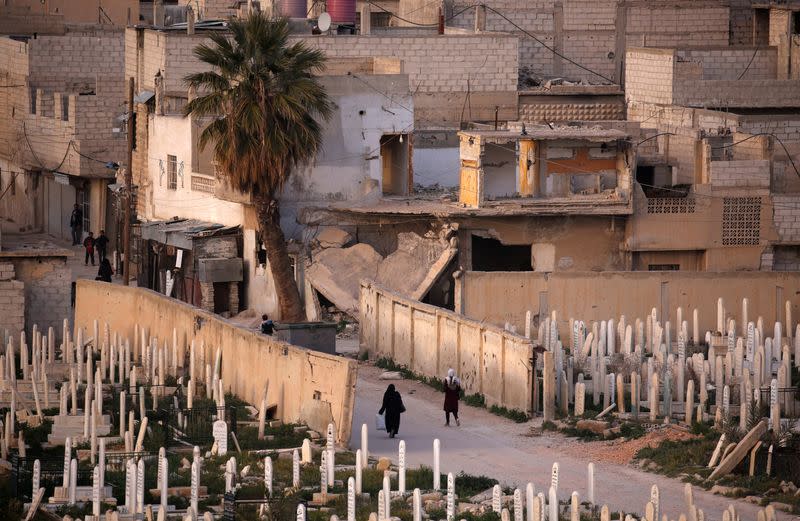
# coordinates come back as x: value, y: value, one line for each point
x: 493, y: 255
x: 761, y: 27
x: 172, y: 172
x: 645, y: 175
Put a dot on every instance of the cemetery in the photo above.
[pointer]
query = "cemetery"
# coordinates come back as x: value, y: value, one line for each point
x: 110, y: 419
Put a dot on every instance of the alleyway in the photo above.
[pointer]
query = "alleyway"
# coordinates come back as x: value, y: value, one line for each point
x: 490, y: 445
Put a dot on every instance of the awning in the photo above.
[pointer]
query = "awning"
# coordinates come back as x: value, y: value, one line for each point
x: 180, y: 232
x: 144, y: 96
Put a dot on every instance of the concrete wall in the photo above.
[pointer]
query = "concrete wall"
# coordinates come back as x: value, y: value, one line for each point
x: 787, y: 218
x: 47, y: 290
x: 741, y: 174
x: 429, y: 340
x: 12, y: 300
x: 728, y: 63
x: 497, y: 297
x: 21, y: 206
x: 438, y: 67
x: 118, y: 12
x: 307, y: 386
x: 594, y: 33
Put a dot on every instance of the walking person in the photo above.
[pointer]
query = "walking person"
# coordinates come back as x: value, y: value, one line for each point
x: 76, y: 224
x: 101, y: 243
x: 452, y: 392
x: 105, y: 272
x: 88, y: 244
x: 392, y: 407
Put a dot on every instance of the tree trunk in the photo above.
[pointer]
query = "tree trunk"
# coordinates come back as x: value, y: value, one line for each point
x: 291, y: 308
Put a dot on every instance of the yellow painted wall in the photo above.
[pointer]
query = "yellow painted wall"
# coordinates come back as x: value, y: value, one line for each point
x: 307, y: 386
x: 499, y: 297
x: 430, y: 340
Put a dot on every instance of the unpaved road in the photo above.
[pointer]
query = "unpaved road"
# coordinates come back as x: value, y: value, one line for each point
x: 493, y: 446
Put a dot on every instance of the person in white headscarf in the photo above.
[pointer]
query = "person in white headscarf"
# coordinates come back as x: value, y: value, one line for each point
x: 452, y: 393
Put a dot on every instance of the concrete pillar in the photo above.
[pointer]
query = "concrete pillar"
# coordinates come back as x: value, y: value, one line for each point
x: 480, y: 18
x: 366, y: 19
x: 189, y: 20
x: 158, y: 13
x: 549, y: 383
x: 207, y: 296
x: 233, y: 298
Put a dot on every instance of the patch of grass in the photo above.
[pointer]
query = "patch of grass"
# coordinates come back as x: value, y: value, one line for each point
x: 549, y: 426
x: 676, y: 457
x: 474, y: 400
x: 468, y: 485
x: 512, y: 414
x: 632, y: 430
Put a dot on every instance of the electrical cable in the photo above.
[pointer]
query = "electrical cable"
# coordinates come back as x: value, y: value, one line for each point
x: 753, y: 57
x: 552, y: 50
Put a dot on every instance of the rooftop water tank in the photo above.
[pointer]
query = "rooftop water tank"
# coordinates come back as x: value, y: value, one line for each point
x: 342, y: 11
x: 294, y: 8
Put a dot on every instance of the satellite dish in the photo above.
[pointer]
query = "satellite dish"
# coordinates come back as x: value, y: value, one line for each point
x: 324, y: 22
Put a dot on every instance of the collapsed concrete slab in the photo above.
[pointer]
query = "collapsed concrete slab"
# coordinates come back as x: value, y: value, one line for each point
x: 337, y: 273
x: 410, y: 270
x: 333, y: 237
x: 414, y: 266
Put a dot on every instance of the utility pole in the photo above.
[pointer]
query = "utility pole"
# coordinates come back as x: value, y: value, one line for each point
x: 128, y: 205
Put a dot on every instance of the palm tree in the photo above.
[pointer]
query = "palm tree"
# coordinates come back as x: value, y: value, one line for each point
x: 265, y: 106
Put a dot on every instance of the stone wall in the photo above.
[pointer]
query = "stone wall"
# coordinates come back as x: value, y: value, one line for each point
x: 786, y: 211
x: 741, y: 174
x: 47, y: 290
x: 594, y: 33
x: 12, y: 300
x: 430, y: 340
x: 307, y: 386
x: 498, y: 297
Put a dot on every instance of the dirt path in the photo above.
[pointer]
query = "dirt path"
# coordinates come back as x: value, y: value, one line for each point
x: 494, y: 446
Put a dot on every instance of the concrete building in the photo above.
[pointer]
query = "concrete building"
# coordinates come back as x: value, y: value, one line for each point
x: 60, y: 125
x: 34, y: 283
x: 54, y: 16
x: 366, y: 152
x: 718, y: 153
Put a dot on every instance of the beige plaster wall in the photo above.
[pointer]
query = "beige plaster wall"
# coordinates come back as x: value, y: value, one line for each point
x: 429, y: 340
x: 308, y: 386
x: 499, y: 297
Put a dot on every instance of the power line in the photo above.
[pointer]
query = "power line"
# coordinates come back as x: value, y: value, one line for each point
x: 570, y: 60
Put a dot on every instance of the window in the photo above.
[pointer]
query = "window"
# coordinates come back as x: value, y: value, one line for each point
x: 493, y: 255
x: 663, y: 267
x: 65, y: 107
x: 795, y: 22
x: 172, y: 172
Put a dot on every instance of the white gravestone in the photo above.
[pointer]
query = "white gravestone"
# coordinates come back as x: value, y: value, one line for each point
x: 268, y: 475
x: 451, y: 497
x: 220, y: 431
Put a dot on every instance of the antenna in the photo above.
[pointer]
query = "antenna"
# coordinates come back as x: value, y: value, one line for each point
x: 324, y: 22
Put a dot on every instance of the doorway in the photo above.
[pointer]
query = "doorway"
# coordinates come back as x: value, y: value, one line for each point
x: 394, y: 162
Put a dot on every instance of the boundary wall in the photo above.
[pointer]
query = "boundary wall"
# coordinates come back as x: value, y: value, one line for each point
x: 307, y: 386
x: 429, y: 340
x: 500, y: 297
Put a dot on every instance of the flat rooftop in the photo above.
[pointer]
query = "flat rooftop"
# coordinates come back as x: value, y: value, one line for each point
x: 543, y: 133
x: 31, y: 245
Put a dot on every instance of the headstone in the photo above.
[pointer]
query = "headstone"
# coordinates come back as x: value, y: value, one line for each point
x: 401, y: 467
x: 580, y: 398
x: 268, y: 475
x: 416, y: 505
x: 96, y: 491
x: 301, y: 512
x: 73, y: 480
x: 554, y: 476
x: 381, y: 506
x: 590, y: 483
x: 436, y: 468
x: 496, y: 494
x: 351, y: 499
x: 195, y: 487
x: 575, y: 507
x: 37, y: 474
x: 140, y: 486
x: 517, y: 505
x: 164, y: 472
x: 305, y: 451
x: 364, y: 446
x: 529, y: 495
x: 451, y: 497
x: 552, y: 503
x: 67, y: 459
x: 359, y: 468
x: 655, y: 500
x: 295, y: 469
x: 220, y: 432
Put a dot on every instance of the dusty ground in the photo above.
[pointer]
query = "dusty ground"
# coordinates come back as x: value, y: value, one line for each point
x: 621, y: 451
x: 490, y: 445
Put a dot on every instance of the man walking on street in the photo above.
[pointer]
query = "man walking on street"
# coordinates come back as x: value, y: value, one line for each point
x: 88, y: 243
x: 101, y: 242
x: 76, y: 224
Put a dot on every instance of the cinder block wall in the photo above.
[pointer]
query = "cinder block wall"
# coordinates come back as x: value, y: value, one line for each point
x: 740, y: 174
x: 12, y: 300
x: 786, y: 211
x: 47, y: 283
